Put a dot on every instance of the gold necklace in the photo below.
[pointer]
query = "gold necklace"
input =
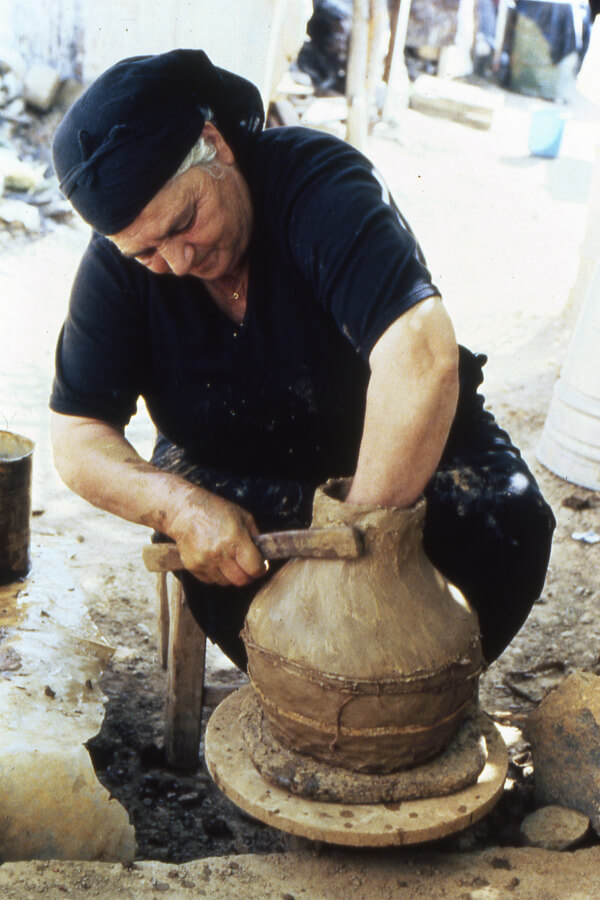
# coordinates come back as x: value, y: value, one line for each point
x: 236, y: 294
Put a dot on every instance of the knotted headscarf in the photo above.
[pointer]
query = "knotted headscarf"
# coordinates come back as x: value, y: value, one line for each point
x: 133, y: 127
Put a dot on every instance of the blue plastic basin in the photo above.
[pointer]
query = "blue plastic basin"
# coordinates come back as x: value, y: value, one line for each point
x: 545, y: 133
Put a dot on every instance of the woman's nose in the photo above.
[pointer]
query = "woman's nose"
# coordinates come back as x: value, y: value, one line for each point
x: 178, y: 255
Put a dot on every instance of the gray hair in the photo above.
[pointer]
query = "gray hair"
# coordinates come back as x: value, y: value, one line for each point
x: 203, y: 153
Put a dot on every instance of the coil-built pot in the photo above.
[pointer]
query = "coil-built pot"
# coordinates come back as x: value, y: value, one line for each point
x: 368, y: 663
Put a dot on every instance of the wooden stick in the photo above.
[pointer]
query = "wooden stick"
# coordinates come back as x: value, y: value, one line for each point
x: 162, y: 593
x: 187, y: 649
x: 342, y: 542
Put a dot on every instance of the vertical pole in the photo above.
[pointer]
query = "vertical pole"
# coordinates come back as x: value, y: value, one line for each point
x: 465, y: 26
x: 274, y: 47
x: 398, y: 75
x: 185, y: 684
x: 501, y: 20
x: 162, y: 593
x: 378, y: 29
x: 394, y: 11
x: 356, y: 76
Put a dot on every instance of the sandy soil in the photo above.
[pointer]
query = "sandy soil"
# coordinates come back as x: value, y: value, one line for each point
x: 502, y: 233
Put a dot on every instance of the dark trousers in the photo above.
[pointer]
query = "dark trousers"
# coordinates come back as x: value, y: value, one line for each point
x: 488, y: 529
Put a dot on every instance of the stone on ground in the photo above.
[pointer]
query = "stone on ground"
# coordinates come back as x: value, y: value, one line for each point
x: 554, y: 828
x: 11, y: 61
x: 500, y: 872
x: 52, y: 805
x: 565, y: 737
x: 41, y: 86
x: 17, y: 212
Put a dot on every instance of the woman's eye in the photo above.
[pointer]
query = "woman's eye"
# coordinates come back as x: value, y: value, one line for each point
x: 188, y: 224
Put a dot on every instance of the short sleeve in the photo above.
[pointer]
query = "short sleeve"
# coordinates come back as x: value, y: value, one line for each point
x: 358, y: 254
x: 99, y: 356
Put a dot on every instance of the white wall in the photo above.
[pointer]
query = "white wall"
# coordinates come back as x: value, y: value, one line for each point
x: 256, y: 38
x: 44, y: 31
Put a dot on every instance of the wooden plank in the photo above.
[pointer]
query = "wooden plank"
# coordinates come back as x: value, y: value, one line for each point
x: 463, y: 103
x: 187, y: 651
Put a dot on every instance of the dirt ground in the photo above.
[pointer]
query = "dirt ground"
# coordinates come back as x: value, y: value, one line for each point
x: 502, y: 233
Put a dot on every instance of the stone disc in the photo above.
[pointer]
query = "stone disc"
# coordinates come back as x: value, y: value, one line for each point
x: 460, y: 764
x: 366, y: 825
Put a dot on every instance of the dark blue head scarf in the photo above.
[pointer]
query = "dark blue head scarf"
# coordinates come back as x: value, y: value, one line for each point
x: 133, y: 127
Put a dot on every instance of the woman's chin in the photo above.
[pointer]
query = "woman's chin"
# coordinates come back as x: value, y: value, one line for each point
x: 210, y: 269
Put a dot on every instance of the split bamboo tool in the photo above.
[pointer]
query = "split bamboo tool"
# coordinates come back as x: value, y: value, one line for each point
x: 343, y: 542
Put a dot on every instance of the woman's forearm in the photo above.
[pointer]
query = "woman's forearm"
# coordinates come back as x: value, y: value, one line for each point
x: 214, y: 537
x: 96, y: 461
x: 411, y: 403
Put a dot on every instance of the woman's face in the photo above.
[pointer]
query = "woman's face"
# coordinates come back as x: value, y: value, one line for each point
x: 197, y: 224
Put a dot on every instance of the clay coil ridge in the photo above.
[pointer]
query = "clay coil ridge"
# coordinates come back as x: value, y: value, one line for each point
x: 338, y: 730
x: 437, y: 681
x: 458, y: 765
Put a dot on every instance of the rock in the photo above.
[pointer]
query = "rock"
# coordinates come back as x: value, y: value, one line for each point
x: 12, y: 85
x: 14, y: 112
x: 564, y: 733
x: 554, y: 828
x: 15, y: 108
x: 324, y: 110
x: 41, y: 84
x: 70, y: 91
x: 454, y: 62
x: 11, y: 61
x: 21, y: 175
x: 53, y: 806
x: 17, y: 212
x: 59, y: 209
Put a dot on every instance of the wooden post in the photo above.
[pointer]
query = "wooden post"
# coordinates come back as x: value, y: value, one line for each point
x: 397, y: 75
x: 378, y: 29
x: 501, y: 20
x: 356, y: 76
x: 162, y: 594
x: 394, y: 12
x: 187, y: 651
x: 275, y: 31
x: 465, y: 26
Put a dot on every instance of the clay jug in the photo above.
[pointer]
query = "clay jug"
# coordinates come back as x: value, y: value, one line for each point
x: 368, y: 663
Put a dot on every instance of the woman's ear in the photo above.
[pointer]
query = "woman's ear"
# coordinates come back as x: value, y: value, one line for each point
x: 224, y: 153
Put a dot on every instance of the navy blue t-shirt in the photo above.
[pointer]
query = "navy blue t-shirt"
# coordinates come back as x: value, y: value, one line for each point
x: 332, y: 265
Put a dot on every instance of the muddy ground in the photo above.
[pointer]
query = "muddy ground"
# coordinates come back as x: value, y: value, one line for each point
x: 502, y: 233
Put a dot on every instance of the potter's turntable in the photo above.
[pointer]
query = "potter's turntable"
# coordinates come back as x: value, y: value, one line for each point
x: 366, y: 824
x: 360, y: 726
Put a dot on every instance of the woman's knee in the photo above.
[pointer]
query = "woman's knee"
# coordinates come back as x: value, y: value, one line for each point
x: 489, y: 531
x: 524, y: 524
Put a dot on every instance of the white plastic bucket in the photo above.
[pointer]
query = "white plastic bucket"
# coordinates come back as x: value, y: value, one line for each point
x: 570, y: 443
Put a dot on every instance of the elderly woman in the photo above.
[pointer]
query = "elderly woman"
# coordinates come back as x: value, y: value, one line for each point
x: 263, y: 294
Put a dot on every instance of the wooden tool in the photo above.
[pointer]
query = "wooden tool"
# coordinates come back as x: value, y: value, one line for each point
x: 340, y: 542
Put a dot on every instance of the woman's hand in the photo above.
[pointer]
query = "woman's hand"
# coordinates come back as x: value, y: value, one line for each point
x: 214, y: 539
